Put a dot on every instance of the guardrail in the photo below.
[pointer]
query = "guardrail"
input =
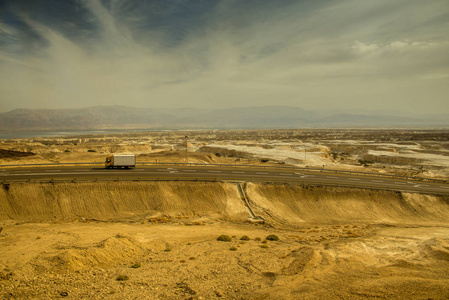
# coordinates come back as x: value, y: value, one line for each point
x: 316, y: 183
x: 291, y: 168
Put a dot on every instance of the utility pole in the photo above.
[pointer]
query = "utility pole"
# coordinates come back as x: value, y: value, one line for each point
x: 186, y: 139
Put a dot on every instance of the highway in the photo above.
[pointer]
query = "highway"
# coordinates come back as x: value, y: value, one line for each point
x: 250, y: 174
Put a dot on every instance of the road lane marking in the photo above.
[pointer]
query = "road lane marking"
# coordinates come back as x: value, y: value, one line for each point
x: 53, y: 170
x: 332, y: 177
x: 23, y: 171
x: 353, y: 179
x: 81, y: 170
x: 285, y: 174
x: 400, y: 182
x: 237, y: 172
x: 214, y: 171
x: 189, y: 170
x: 377, y: 181
x: 262, y: 173
x: 138, y: 169
x: 90, y: 173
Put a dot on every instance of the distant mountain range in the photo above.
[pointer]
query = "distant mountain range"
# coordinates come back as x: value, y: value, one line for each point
x: 263, y: 117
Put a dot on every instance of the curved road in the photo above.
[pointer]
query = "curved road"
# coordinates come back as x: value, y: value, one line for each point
x: 228, y: 173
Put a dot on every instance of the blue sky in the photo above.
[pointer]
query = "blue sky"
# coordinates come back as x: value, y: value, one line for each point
x: 314, y: 54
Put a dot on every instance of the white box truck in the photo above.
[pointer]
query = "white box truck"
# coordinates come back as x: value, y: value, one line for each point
x: 120, y: 161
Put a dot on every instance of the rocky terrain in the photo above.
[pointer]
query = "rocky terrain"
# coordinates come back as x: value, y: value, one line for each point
x: 400, y: 152
x: 160, y: 240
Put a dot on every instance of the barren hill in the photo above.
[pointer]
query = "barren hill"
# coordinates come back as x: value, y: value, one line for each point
x: 122, y: 117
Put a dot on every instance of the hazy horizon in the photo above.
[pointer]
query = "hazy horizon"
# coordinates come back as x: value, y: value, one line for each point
x: 317, y: 55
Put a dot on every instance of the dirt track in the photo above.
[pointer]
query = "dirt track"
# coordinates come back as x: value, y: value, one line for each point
x: 334, y: 243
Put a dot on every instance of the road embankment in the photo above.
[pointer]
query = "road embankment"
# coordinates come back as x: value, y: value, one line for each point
x: 281, y: 204
x: 118, y: 200
x: 295, y: 204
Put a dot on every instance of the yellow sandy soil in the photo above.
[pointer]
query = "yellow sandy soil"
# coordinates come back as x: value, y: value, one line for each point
x: 75, y: 240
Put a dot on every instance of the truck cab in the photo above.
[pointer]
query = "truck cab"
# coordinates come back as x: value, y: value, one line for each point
x: 109, y: 162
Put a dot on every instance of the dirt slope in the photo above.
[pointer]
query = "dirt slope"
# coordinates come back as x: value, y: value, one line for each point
x: 295, y: 205
x: 279, y: 204
x: 118, y: 201
x: 333, y: 243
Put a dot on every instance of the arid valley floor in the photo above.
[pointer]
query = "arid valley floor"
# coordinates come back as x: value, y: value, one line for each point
x: 158, y: 240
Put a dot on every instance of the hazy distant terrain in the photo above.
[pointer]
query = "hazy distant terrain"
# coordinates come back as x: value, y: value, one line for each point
x: 112, y: 117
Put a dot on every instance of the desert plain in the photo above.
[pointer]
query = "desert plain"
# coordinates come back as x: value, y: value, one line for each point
x: 159, y: 240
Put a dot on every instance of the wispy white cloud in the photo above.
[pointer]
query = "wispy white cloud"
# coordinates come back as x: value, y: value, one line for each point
x: 357, y: 54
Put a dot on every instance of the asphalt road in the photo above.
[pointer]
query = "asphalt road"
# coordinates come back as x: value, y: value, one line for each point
x: 237, y: 174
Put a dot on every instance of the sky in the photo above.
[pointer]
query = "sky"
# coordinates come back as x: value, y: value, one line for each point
x: 313, y: 54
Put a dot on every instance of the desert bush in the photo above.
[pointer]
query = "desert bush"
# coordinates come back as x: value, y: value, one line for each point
x: 264, y: 246
x: 245, y: 238
x: 91, y: 150
x: 135, y: 266
x: 224, y: 238
x: 258, y: 239
x: 122, y: 278
x: 272, y: 237
x: 233, y: 249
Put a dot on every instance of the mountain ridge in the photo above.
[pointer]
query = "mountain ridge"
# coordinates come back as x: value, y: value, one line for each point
x: 263, y: 117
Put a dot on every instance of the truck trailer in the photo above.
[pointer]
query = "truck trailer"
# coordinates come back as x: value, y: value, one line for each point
x: 120, y: 161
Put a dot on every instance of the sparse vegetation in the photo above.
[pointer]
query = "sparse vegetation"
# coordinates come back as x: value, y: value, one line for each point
x: 122, y: 278
x: 264, y: 246
x: 224, y: 238
x: 245, y: 238
x: 136, y: 266
x: 272, y: 237
x: 233, y: 249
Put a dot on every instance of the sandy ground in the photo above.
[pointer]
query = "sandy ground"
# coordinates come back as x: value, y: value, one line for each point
x: 159, y: 240
x: 77, y: 241
x: 173, y: 261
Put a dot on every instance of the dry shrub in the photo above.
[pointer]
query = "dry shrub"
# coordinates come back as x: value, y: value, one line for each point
x: 224, y: 238
x: 122, y: 278
x: 272, y: 237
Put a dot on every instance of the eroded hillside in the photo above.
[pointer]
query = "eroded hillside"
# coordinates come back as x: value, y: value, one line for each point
x: 132, y: 240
